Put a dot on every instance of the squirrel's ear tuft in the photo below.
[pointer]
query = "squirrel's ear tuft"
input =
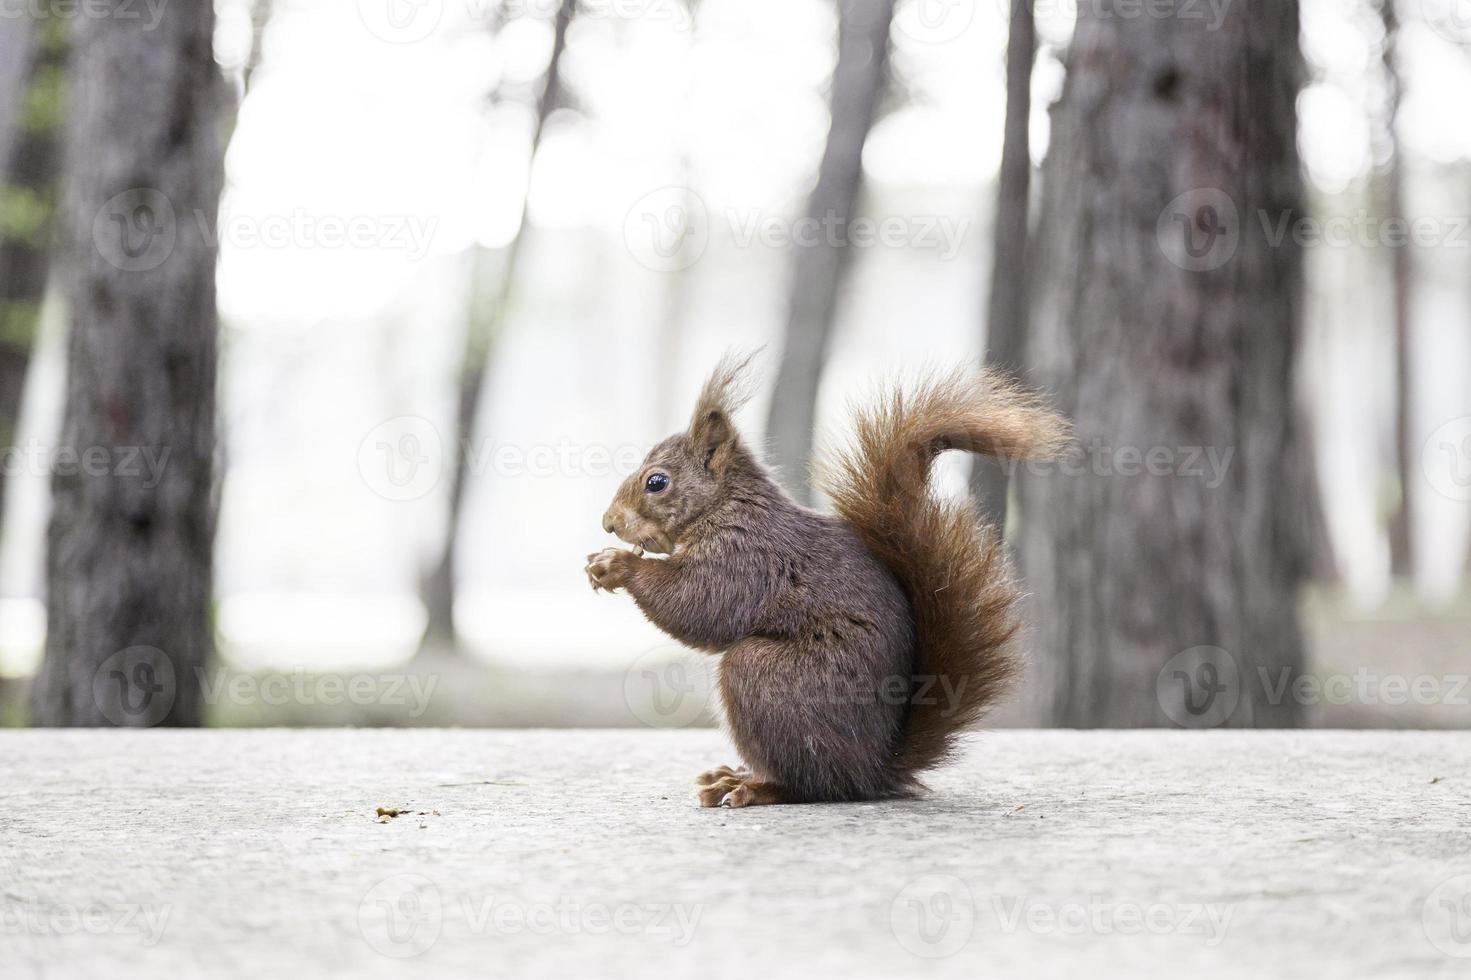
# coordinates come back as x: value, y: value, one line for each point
x: 712, y: 431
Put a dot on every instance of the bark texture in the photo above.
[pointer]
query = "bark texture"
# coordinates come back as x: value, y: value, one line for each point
x: 129, y: 563
x: 817, y: 269
x: 1006, y: 309
x: 1167, y: 321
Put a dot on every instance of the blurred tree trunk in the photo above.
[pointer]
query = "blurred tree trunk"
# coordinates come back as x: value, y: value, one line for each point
x: 17, y: 38
x: 1006, y: 312
x: 817, y: 269
x: 31, y: 149
x: 260, y: 19
x: 483, y: 324
x: 1166, y: 319
x: 129, y: 569
x: 1401, y: 548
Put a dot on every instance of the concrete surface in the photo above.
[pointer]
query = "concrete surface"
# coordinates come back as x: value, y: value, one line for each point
x: 581, y: 854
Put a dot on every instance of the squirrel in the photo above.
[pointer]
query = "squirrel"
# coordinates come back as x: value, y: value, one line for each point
x: 855, y: 647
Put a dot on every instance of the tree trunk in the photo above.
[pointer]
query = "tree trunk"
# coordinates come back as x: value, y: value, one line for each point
x: 260, y: 19
x: 1401, y: 547
x: 1006, y: 312
x: 1166, y: 325
x: 483, y: 325
x: 817, y: 268
x: 129, y: 562
x: 17, y: 39
x: 28, y: 188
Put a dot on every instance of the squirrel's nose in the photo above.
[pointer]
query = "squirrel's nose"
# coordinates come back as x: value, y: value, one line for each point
x: 608, y: 522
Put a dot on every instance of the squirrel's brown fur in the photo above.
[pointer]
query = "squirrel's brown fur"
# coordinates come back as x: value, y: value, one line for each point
x: 856, y: 647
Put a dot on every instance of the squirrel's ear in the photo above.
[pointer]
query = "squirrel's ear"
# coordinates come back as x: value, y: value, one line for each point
x: 713, y: 438
x: 712, y: 433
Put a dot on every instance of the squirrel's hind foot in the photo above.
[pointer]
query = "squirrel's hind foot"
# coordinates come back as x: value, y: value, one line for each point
x: 727, y: 787
x: 720, y: 772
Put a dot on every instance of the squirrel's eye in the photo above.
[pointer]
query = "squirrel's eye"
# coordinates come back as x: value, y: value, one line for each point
x: 656, y: 483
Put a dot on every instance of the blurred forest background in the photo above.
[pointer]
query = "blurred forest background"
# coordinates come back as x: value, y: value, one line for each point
x: 328, y: 327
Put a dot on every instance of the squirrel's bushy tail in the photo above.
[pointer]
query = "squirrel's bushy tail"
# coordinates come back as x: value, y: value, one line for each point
x: 951, y: 563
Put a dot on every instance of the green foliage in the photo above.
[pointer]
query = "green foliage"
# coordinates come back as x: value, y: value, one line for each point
x: 18, y: 321
x: 45, y: 100
x: 25, y: 214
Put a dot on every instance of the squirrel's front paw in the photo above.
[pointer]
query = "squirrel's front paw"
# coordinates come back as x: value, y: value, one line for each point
x: 609, y: 569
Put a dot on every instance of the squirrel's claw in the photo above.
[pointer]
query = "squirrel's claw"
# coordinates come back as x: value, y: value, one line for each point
x: 736, y: 788
x: 608, y: 569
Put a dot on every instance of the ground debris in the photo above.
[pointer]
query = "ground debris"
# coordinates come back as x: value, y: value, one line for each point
x: 387, y: 813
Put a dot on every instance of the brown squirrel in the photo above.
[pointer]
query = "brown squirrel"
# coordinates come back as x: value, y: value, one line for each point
x: 856, y: 647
